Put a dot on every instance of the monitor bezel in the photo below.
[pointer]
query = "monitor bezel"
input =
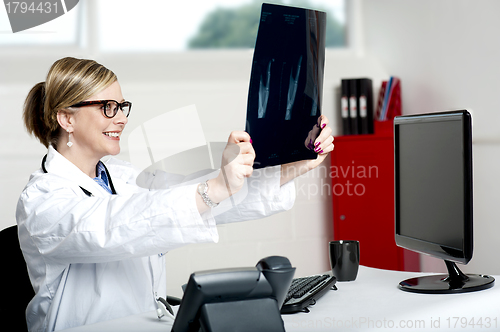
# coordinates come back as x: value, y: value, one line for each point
x: 462, y: 255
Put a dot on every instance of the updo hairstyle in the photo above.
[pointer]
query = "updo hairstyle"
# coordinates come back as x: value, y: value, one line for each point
x: 69, y: 81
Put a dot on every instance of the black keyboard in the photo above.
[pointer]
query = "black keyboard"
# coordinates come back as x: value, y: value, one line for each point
x: 304, y: 292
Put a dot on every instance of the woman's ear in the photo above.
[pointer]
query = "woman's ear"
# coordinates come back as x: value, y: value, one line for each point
x: 65, y: 120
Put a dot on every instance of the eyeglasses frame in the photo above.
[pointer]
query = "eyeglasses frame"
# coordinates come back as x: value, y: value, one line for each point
x: 103, y: 103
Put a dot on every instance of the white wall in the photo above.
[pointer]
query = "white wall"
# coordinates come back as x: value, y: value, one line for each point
x: 446, y: 53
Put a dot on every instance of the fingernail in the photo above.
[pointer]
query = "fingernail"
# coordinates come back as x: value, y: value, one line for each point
x: 320, y: 151
x: 323, y: 125
x: 317, y: 149
x: 317, y: 143
x: 251, y: 141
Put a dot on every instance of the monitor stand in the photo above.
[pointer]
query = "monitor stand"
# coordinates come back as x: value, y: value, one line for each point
x: 454, y: 282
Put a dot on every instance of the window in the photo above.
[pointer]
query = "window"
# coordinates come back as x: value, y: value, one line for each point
x: 176, y: 26
x: 161, y: 26
x: 64, y: 30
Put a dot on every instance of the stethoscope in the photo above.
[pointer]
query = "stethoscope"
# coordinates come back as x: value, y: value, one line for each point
x: 88, y: 193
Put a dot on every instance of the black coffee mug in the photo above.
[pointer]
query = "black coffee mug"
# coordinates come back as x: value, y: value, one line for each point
x: 344, y: 259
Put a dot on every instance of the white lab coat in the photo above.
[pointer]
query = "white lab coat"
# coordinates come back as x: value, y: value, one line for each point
x: 97, y: 258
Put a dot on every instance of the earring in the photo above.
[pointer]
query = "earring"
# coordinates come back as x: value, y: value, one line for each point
x: 69, y: 144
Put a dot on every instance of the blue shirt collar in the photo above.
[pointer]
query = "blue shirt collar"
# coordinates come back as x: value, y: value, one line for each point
x: 101, y: 177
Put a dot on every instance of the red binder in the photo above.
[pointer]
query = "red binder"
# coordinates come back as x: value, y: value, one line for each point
x: 389, y: 102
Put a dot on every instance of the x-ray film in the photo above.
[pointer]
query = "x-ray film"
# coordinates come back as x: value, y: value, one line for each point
x: 286, y: 84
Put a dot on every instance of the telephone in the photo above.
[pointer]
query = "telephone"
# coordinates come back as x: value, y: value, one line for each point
x: 247, y: 298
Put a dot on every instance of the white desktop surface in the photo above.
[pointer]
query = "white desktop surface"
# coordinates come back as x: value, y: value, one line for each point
x: 370, y: 303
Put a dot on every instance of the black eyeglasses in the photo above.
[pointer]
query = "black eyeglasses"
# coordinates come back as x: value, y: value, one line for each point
x: 109, y: 107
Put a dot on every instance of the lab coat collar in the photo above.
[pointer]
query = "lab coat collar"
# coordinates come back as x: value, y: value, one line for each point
x: 57, y: 164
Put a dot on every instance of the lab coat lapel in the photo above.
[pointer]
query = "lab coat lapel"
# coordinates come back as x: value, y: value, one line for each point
x: 59, y: 165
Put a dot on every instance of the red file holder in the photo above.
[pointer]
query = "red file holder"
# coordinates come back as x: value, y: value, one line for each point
x: 362, y: 174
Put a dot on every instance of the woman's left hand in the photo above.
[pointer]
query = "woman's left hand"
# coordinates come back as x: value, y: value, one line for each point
x: 322, y: 145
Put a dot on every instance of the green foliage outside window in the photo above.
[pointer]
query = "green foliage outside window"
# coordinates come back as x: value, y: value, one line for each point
x: 237, y: 27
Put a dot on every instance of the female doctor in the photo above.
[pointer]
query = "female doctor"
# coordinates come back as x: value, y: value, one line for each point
x: 92, y: 238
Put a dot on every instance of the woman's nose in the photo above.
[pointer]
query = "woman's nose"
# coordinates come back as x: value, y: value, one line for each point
x: 120, y: 118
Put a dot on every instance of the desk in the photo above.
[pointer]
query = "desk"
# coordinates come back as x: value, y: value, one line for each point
x: 371, y: 303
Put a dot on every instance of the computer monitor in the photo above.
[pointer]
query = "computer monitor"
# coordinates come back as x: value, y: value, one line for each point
x: 433, y: 197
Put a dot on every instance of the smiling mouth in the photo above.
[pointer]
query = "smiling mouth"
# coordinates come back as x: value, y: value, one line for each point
x: 112, y: 134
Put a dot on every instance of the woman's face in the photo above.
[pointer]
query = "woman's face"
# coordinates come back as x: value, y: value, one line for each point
x: 95, y: 135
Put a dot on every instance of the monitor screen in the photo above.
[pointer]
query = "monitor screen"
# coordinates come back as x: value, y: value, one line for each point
x: 433, y: 163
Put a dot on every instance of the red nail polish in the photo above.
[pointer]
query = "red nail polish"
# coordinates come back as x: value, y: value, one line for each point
x: 251, y: 141
x: 317, y: 143
x: 323, y: 125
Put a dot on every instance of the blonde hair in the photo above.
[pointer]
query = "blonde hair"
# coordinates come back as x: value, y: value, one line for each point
x: 69, y: 81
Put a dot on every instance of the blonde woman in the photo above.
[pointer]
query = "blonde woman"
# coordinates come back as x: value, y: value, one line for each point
x: 93, y: 240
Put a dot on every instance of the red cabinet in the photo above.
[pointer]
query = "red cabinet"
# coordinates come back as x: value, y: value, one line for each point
x: 362, y: 173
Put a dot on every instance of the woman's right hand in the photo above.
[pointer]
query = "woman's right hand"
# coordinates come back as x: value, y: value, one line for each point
x: 237, y: 164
